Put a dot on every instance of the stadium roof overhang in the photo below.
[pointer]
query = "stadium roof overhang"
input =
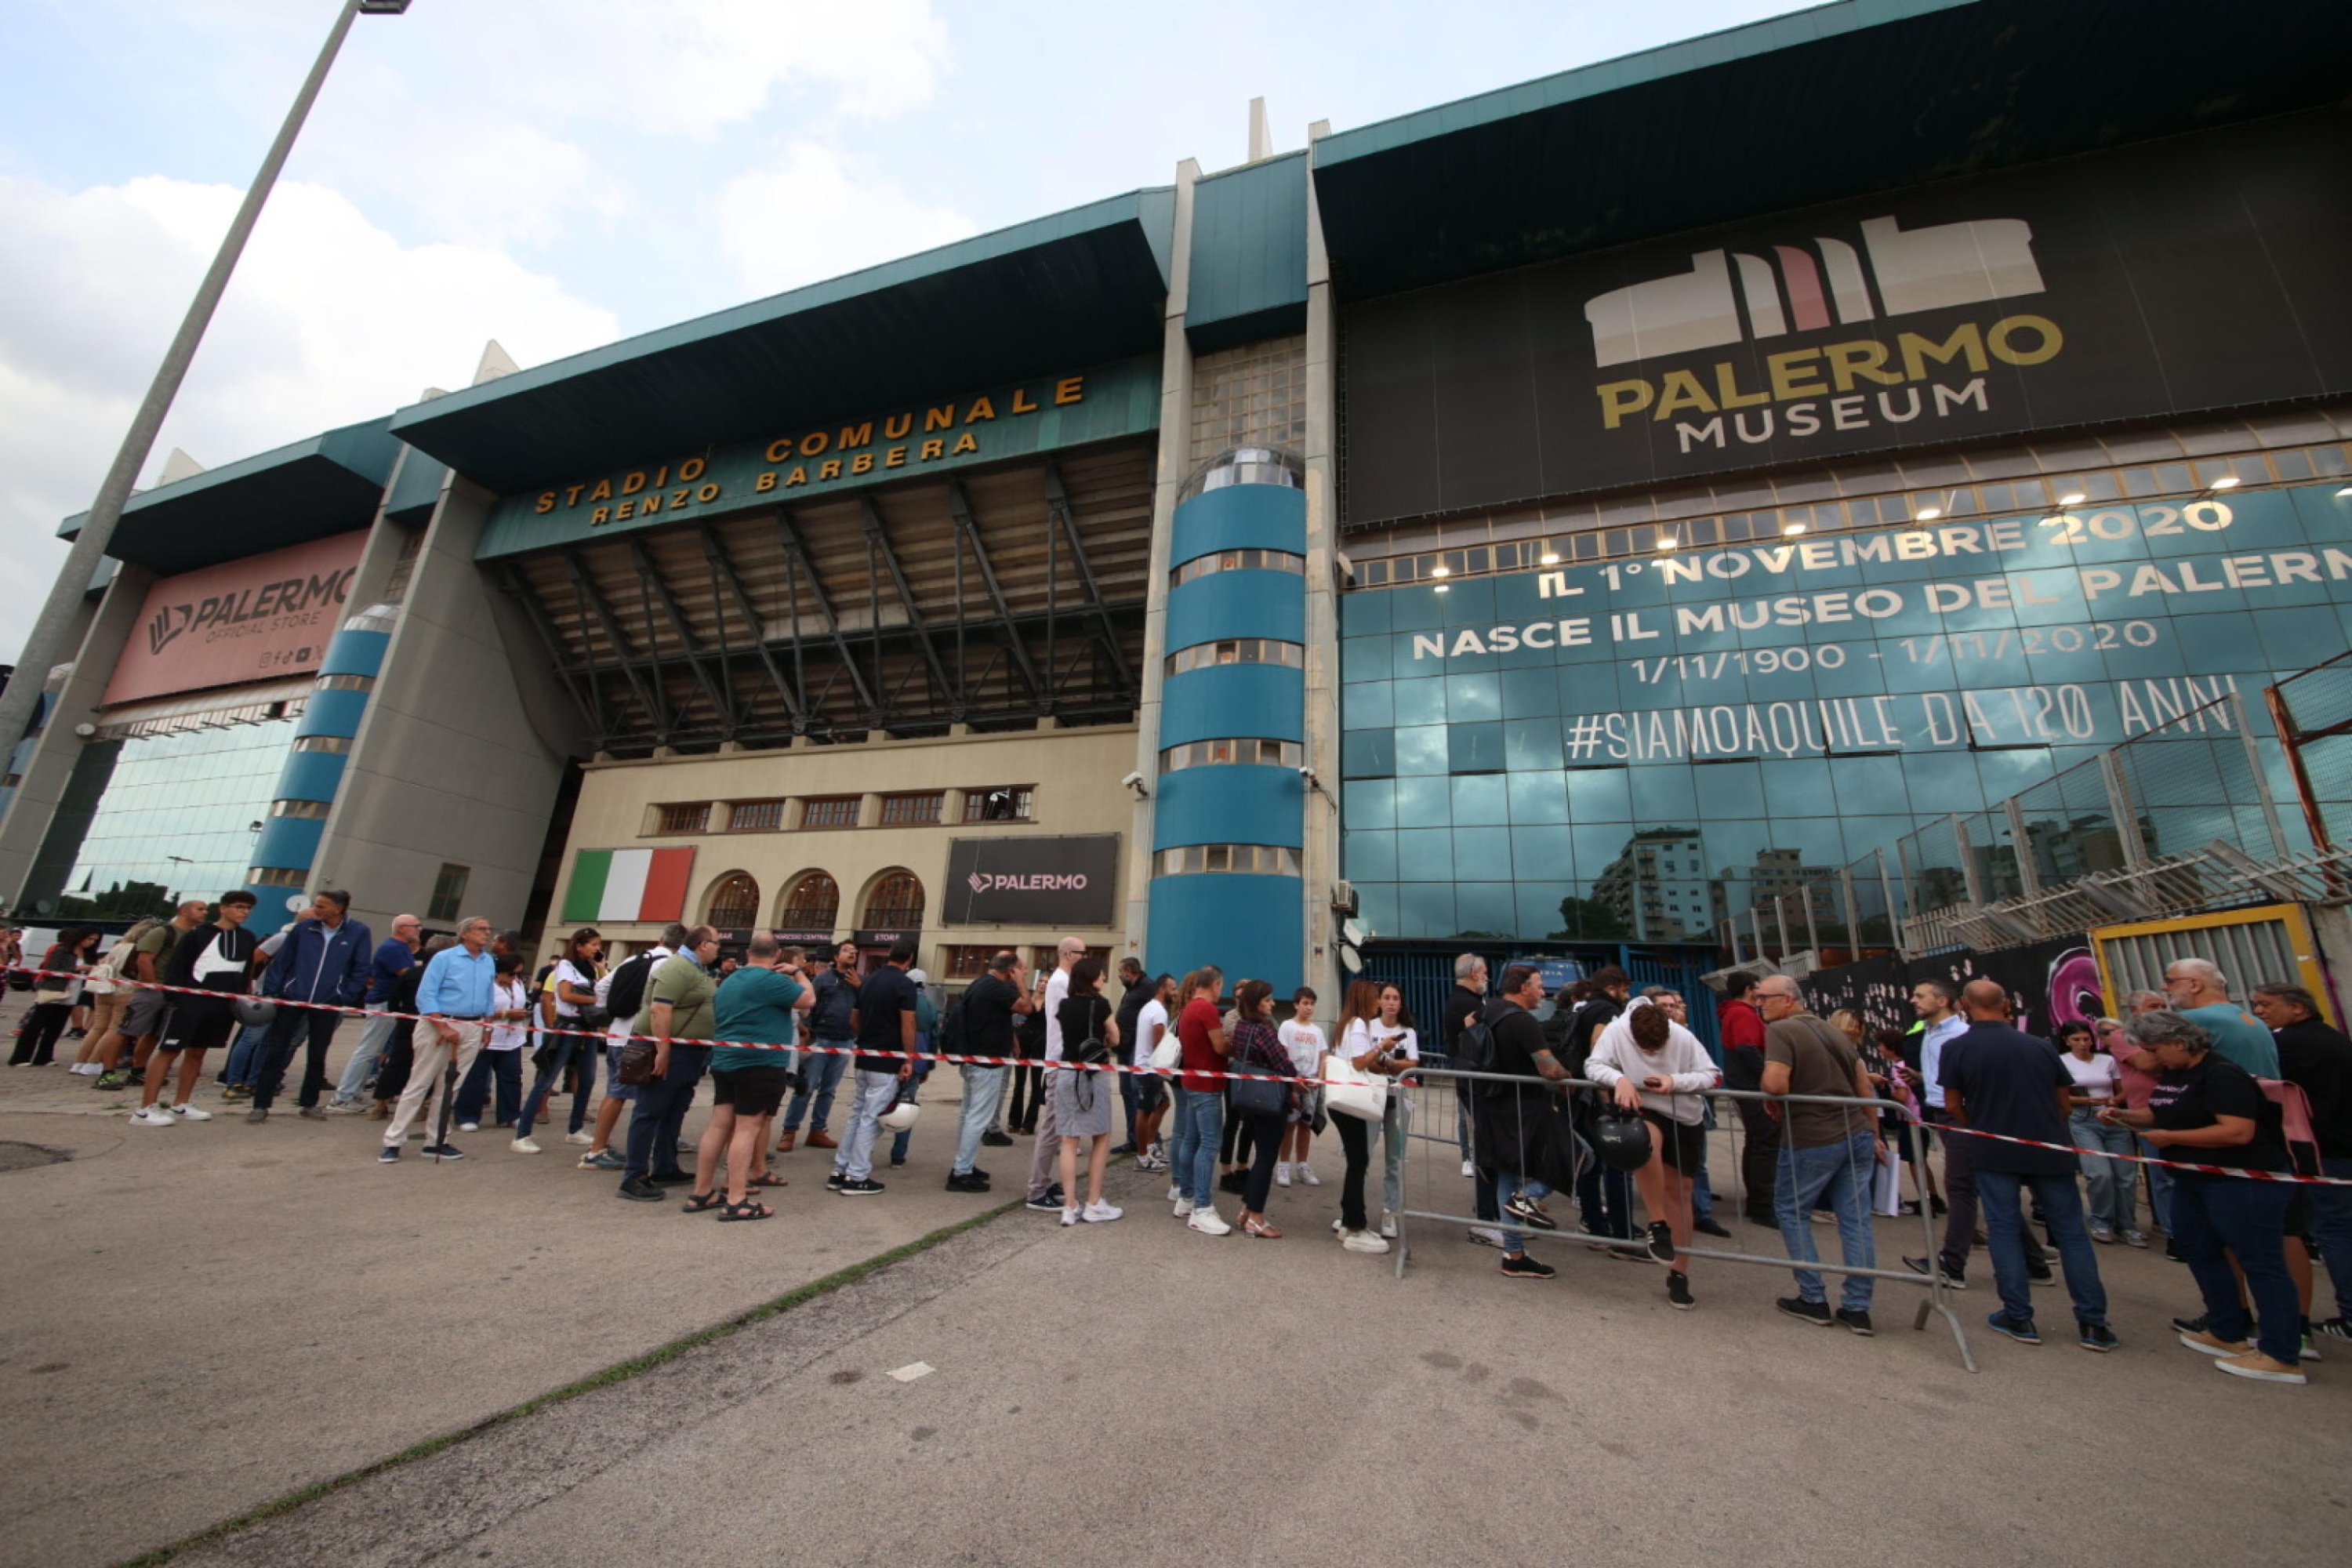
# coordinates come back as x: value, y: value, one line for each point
x: 1077, y: 287
x: 313, y: 488
x: 1822, y: 104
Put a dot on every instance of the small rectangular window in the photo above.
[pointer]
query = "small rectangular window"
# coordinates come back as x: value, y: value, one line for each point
x: 829, y: 810
x: 448, y: 892
x: 755, y: 816
x: 693, y: 817
x: 902, y: 810
x: 998, y: 802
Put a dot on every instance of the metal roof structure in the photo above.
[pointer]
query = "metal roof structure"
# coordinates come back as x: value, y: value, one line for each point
x: 1828, y: 103
x: 328, y: 484
x: 1074, y: 288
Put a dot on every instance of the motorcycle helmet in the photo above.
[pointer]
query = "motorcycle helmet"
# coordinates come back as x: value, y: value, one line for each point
x: 255, y: 1012
x: 901, y: 1118
x: 1622, y: 1138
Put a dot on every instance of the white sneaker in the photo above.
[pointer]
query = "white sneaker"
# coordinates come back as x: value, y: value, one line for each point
x: 1486, y: 1235
x: 1099, y: 1212
x: 1069, y: 1214
x: 1282, y: 1173
x: 190, y: 1114
x: 1469, y: 1170
x: 1175, y: 1193
x: 469, y: 1127
x: 1206, y: 1222
x: 84, y: 1069
x: 154, y: 1116
x: 1362, y: 1241
x: 523, y: 1146
x: 580, y: 1138
x: 1183, y: 1207
x: 1340, y: 1227
x: 1388, y: 1226
x: 1306, y: 1173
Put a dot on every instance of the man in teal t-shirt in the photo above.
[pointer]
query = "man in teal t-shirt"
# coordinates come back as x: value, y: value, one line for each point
x: 2200, y: 994
x: 755, y: 1005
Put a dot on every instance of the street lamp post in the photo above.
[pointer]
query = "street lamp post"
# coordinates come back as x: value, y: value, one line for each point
x: 45, y: 645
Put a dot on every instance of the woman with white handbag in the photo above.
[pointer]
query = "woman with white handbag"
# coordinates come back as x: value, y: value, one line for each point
x: 1355, y: 1075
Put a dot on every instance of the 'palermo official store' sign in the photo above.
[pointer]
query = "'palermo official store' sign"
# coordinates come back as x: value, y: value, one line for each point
x: 1013, y: 420
x: 1069, y: 881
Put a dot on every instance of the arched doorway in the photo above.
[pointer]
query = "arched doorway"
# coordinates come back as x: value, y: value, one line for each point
x: 734, y: 903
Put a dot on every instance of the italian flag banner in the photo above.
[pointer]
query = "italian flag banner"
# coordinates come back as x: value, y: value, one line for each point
x: 628, y: 885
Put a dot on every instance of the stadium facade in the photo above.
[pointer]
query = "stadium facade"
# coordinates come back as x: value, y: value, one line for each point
x: 1570, y: 512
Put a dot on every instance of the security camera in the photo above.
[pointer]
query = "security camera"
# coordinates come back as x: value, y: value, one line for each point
x: 1134, y: 781
x: 1307, y: 773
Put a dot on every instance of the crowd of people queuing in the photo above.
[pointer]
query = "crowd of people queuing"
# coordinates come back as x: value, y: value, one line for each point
x: 1603, y: 1094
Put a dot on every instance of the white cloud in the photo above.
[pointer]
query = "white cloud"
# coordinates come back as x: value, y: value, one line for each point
x: 816, y: 215
x: 329, y: 321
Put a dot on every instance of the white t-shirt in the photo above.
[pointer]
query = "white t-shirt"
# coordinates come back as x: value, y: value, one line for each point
x: 570, y: 973
x: 511, y: 993
x: 2096, y: 1078
x: 1305, y: 1044
x: 1149, y: 1025
x: 1399, y: 1039
x: 1056, y: 988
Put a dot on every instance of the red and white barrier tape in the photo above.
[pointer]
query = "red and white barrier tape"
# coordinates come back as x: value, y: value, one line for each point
x: 964, y: 1059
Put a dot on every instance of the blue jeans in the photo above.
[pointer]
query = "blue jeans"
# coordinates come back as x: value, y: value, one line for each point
x: 2331, y: 1226
x: 2216, y: 1218
x: 1398, y: 1126
x: 898, y: 1144
x: 502, y: 1068
x: 1507, y: 1186
x: 570, y: 1051
x: 374, y: 1035
x: 244, y: 1055
x: 660, y: 1112
x: 984, y: 1091
x: 2062, y: 1211
x: 1200, y: 1121
x: 2159, y: 1186
x: 820, y: 1077
x: 873, y: 1094
x: 2114, y: 1184
x: 1835, y: 1176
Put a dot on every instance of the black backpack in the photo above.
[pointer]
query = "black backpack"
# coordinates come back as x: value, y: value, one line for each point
x: 951, y: 1037
x: 626, y: 997
x: 1473, y: 1048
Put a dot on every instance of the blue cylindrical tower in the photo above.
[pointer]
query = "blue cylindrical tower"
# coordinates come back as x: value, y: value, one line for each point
x: 1228, y: 827
x: 288, y: 844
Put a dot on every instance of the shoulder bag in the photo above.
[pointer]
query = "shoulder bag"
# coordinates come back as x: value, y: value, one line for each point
x: 636, y: 1063
x: 1169, y: 1054
x: 1349, y: 1090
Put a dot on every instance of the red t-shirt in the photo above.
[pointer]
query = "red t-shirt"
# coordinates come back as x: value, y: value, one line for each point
x: 1193, y: 1027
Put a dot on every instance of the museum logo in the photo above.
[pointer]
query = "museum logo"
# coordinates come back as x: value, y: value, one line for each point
x: 1731, y: 297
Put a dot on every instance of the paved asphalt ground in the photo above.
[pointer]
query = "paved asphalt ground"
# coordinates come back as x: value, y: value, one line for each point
x: 202, y: 1320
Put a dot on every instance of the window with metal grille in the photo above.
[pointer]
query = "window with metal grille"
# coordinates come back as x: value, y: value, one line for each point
x: 346, y: 683
x: 323, y: 743
x: 755, y: 816
x: 735, y: 902
x: 895, y: 904
x: 694, y: 816
x: 967, y: 963
x: 297, y: 808
x: 901, y: 809
x: 813, y: 904
x: 999, y: 803
x: 829, y: 810
x: 448, y: 892
x: 1237, y: 651
x: 278, y: 876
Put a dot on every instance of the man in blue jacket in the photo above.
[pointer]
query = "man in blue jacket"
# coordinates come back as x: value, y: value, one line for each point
x: 324, y: 959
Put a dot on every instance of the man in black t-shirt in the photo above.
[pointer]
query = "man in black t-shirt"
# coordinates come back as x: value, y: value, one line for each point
x: 2001, y: 1080
x: 1512, y: 1124
x: 989, y: 1004
x: 2317, y: 1059
x: 883, y: 1023
x: 1603, y: 1193
x: 215, y: 958
x: 1136, y: 992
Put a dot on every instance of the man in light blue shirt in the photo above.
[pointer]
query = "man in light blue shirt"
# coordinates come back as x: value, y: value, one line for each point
x: 457, y: 993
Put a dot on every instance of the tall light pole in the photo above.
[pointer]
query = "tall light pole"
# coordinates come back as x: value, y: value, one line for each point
x: 45, y: 643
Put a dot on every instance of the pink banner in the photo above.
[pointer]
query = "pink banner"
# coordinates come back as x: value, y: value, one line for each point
x: 256, y: 619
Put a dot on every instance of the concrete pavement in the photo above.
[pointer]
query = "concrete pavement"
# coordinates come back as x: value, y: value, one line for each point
x: 213, y: 1317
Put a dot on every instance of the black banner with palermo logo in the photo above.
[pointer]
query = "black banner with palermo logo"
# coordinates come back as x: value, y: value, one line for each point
x: 1070, y: 882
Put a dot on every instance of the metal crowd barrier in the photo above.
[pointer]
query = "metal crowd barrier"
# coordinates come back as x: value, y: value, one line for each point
x: 1939, y: 1297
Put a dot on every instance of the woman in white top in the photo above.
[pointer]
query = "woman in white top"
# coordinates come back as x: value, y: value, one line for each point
x: 1655, y: 1065
x: 501, y: 1054
x: 567, y: 1006
x: 2114, y: 1184
x: 1400, y: 1050
x: 1151, y: 1087
x: 1303, y: 1038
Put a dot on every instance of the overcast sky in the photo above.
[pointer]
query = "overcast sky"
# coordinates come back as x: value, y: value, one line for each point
x: 557, y: 174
